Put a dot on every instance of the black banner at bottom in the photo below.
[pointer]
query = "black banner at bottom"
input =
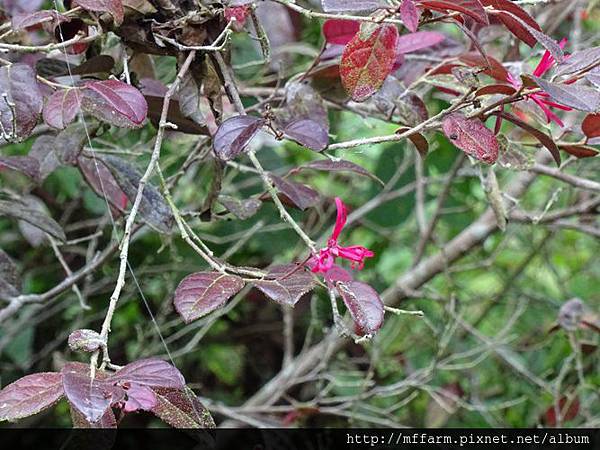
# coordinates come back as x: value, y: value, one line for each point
x: 300, y: 439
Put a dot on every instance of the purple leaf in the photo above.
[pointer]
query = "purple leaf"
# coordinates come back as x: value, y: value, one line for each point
x: 308, y: 133
x: 69, y: 142
x: 180, y: 408
x: 546, y: 41
x: 286, y: 284
x: 472, y: 137
x: 115, y: 102
x: 152, y: 87
x: 189, y: 95
x: 24, y: 210
x: 299, y: 194
x: 184, y: 125
x: 108, y: 420
x: 10, y: 281
x: 24, y: 164
x: 364, y: 304
x: 578, y: 97
x: 472, y: 8
x: 412, y: 42
x: 544, y: 139
x: 593, y: 76
x: 304, y: 102
x: 25, y: 20
x: 13, y: 7
x: 43, y: 151
x: 242, y: 209
x: 30, y: 395
x: 140, y: 398
x: 150, y: 372
x: 579, y: 60
x: 394, y: 98
x: 91, y: 398
x: 337, y: 273
x: 329, y: 165
x: 234, y: 135
x: 61, y: 108
x: 201, y: 293
x: 85, y: 340
x: 113, y: 7
x: 102, y: 181
x: 409, y: 15
x: 153, y: 207
x: 340, y: 31
x: 351, y: 5
x: 19, y: 83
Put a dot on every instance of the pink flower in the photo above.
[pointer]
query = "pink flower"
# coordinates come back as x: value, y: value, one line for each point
x: 325, y: 260
x: 541, y: 98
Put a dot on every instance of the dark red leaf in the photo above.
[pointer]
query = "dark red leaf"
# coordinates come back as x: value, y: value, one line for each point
x: 492, y: 67
x: 102, y: 181
x: 180, y: 408
x: 115, y: 102
x: 341, y: 165
x: 308, y: 133
x: 409, y: 15
x: 472, y: 8
x: 108, y: 420
x: 494, y: 89
x: 579, y: 151
x: 364, y: 304
x: 201, y: 293
x: 544, y: 139
x: 368, y: 59
x: 286, y: 284
x: 299, y: 194
x: 507, y: 9
x: 471, y: 136
x: 30, y: 395
x: 174, y: 115
x: 568, y: 409
x: 412, y: 42
x: 418, y: 140
x: 340, y: 31
x: 61, y: 108
x: 19, y: 83
x: 591, y: 126
x: 149, y: 372
x: 113, y: 7
x: 234, y: 135
x: 335, y: 274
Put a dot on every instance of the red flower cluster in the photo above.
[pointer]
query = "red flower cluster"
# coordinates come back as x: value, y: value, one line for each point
x: 541, y: 98
x: 325, y: 260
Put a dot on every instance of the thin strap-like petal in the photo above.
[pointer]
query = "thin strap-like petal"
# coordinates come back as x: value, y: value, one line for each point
x: 340, y: 220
